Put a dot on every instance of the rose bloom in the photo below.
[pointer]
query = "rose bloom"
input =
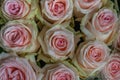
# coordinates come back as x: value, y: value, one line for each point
x: 87, y: 6
x: 90, y: 57
x: 19, y: 36
x: 102, y: 25
x: 14, y: 68
x: 59, y: 72
x: 111, y: 70
x: 57, y: 42
x: 55, y: 11
x: 15, y: 9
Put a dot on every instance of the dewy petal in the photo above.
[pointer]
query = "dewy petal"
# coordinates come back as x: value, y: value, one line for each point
x: 33, y: 9
x: 19, y: 36
x: 90, y: 57
x: 53, y: 47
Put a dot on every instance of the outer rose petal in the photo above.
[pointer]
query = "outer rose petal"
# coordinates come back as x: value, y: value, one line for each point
x: 59, y: 72
x: 55, y: 11
x: 116, y: 43
x: 87, y: 6
x: 101, y: 26
x: 57, y: 42
x: 90, y: 57
x: 19, y: 36
x: 111, y: 70
x: 14, y: 68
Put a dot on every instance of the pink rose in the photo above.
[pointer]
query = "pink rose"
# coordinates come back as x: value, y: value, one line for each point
x: 16, y: 36
x: 15, y: 9
x: 111, y: 70
x: 19, y: 36
x: 87, y: 6
x: 101, y: 26
x: 104, y: 20
x: 90, y: 57
x: 56, y: 11
x: 16, y: 69
x: 57, y: 42
x: 59, y: 72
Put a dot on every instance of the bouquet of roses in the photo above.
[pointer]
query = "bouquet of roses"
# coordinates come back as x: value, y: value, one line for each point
x: 59, y: 40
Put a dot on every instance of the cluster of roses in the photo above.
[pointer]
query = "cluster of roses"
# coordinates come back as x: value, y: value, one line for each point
x: 59, y: 40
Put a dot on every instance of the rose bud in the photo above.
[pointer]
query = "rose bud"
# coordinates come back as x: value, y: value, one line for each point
x: 19, y: 36
x: 57, y: 42
x: 90, y: 57
x: 54, y: 12
x: 102, y: 25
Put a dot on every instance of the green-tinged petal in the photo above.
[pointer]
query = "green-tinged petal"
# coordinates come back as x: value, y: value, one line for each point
x: 2, y: 19
x: 31, y: 57
x: 43, y: 57
x: 34, y: 8
x: 82, y: 74
x: 85, y: 22
x: 104, y: 2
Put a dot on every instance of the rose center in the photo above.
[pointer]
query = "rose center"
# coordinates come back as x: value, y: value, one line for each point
x: 16, y: 36
x: 115, y: 68
x: 105, y: 19
x: 95, y: 54
x: 62, y: 76
x: 57, y: 8
x: 14, y: 8
x: 14, y: 74
x: 59, y: 42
